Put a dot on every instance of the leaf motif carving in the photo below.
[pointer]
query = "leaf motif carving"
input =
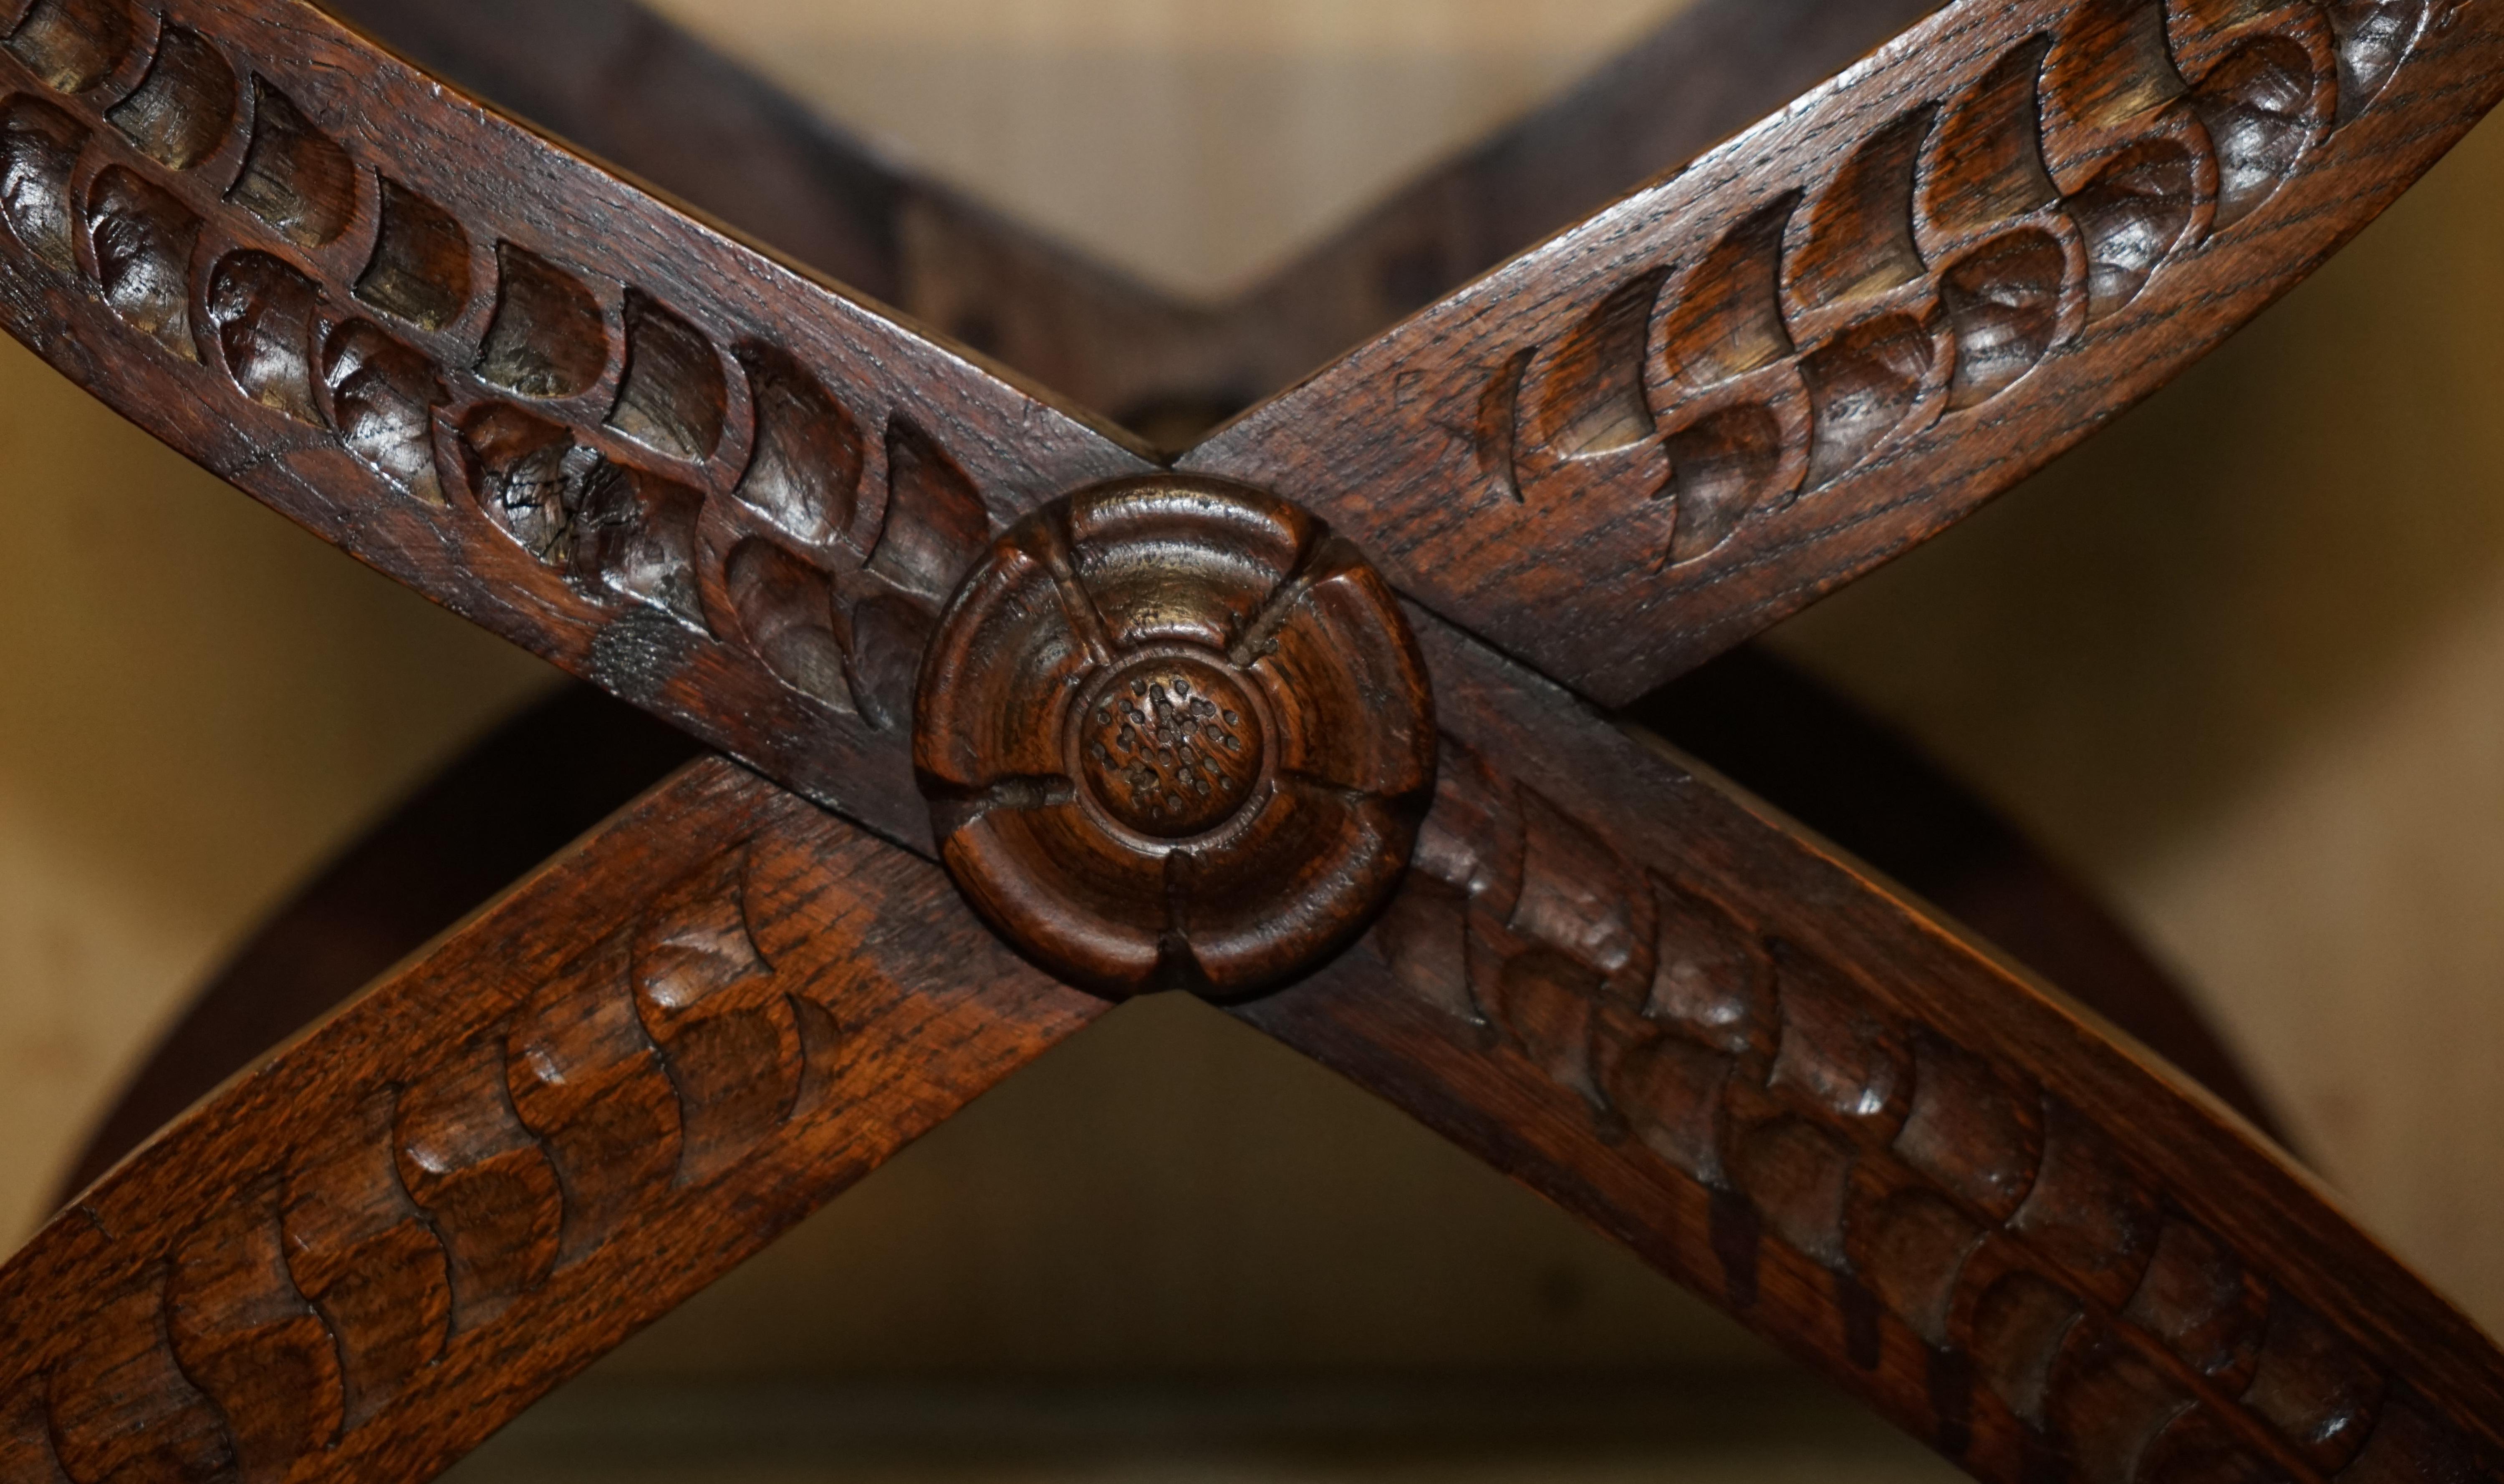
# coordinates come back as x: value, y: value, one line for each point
x: 936, y: 524
x: 1941, y: 238
x: 1950, y: 1202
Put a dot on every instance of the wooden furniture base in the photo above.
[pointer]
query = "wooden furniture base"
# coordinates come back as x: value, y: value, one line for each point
x: 870, y: 565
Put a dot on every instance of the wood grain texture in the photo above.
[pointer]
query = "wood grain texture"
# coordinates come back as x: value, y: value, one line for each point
x: 1173, y: 370
x: 518, y: 796
x: 1728, y: 1049
x: 1827, y: 339
x: 721, y: 492
x: 639, y: 90
x: 1953, y: 1190
x: 634, y: 88
x: 1176, y: 735
x: 362, y: 1257
x: 525, y: 790
x: 1851, y: 779
x: 501, y: 375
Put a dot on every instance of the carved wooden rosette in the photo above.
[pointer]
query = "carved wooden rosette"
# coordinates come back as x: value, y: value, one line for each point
x: 1175, y: 735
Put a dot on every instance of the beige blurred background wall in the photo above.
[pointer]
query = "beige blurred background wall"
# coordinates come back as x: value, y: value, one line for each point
x: 1192, y: 142
x: 200, y: 704
x: 2240, y: 661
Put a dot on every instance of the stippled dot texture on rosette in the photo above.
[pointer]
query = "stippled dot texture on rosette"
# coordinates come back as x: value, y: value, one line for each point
x: 1174, y: 735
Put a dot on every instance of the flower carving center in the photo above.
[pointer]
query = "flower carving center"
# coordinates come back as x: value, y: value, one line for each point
x: 1171, y: 746
x: 1176, y: 736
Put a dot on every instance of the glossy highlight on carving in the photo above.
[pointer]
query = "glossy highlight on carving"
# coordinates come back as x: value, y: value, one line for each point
x: 306, y: 1305
x: 2067, y: 200
x: 723, y: 494
x: 1174, y: 735
x: 1968, y: 1209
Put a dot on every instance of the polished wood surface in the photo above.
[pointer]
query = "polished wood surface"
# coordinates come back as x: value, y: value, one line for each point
x: 631, y: 1073
x: 1918, y: 1169
x: 547, y: 400
x: 526, y: 790
x: 1775, y: 731
x: 1610, y: 976
x: 521, y: 794
x: 631, y: 87
x: 1609, y: 972
x: 630, y: 84
x: 1825, y: 340
x: 1176, y: 735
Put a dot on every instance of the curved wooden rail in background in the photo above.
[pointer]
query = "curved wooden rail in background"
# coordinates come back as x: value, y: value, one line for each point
x: 631, y: 86
x: 400, y: 318
x: 1778, y: 1083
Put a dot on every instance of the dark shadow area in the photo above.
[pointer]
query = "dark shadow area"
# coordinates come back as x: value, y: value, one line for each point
x: 1696, y: 1427
x: 1797, y: 743
x: 2132, y: 641
x: 552, y: 773
x: 514, y: 799
x: 1171, y: 1248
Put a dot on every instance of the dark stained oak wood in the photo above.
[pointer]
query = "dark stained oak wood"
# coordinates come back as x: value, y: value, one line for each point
x: 366, y: 1255
x: 1731, y: 1049
x: 1827, y: 339
x: 1176, y: 735
x: 1781, y: 1084
x: 523, y: 792
x: 1173, y: 369
x: 518, y: 796
x: 1786, y: 738
x: 558, y: 406
x: 733, y: 496
x: 633, y: 87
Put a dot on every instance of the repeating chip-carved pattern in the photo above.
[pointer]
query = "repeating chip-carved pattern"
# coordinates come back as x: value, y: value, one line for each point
x: 589, y: 1082
x: 1990, y: 1220
x: 295, y: 178
x: 364, y: 1255
x: 419, y: 271
x: 1828, y: 338
x: 710, y: 1001
x: 596, y: 443
x: 39, y: 147
x: 264, y: 313
x: 616, y: 466
x: 142, y: 239
x: 844, y: 618
x: 487, y: 1186
x: 119, y: 1405
x: 383, y: 399
x: 1938, y: 265
x: 244, y: 1333
x: 178, y: 114
x: 301, y: 1306
x: 74, y: 44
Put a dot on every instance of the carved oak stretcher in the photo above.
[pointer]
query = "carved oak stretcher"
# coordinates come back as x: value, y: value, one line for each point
x: 1029, y: 716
